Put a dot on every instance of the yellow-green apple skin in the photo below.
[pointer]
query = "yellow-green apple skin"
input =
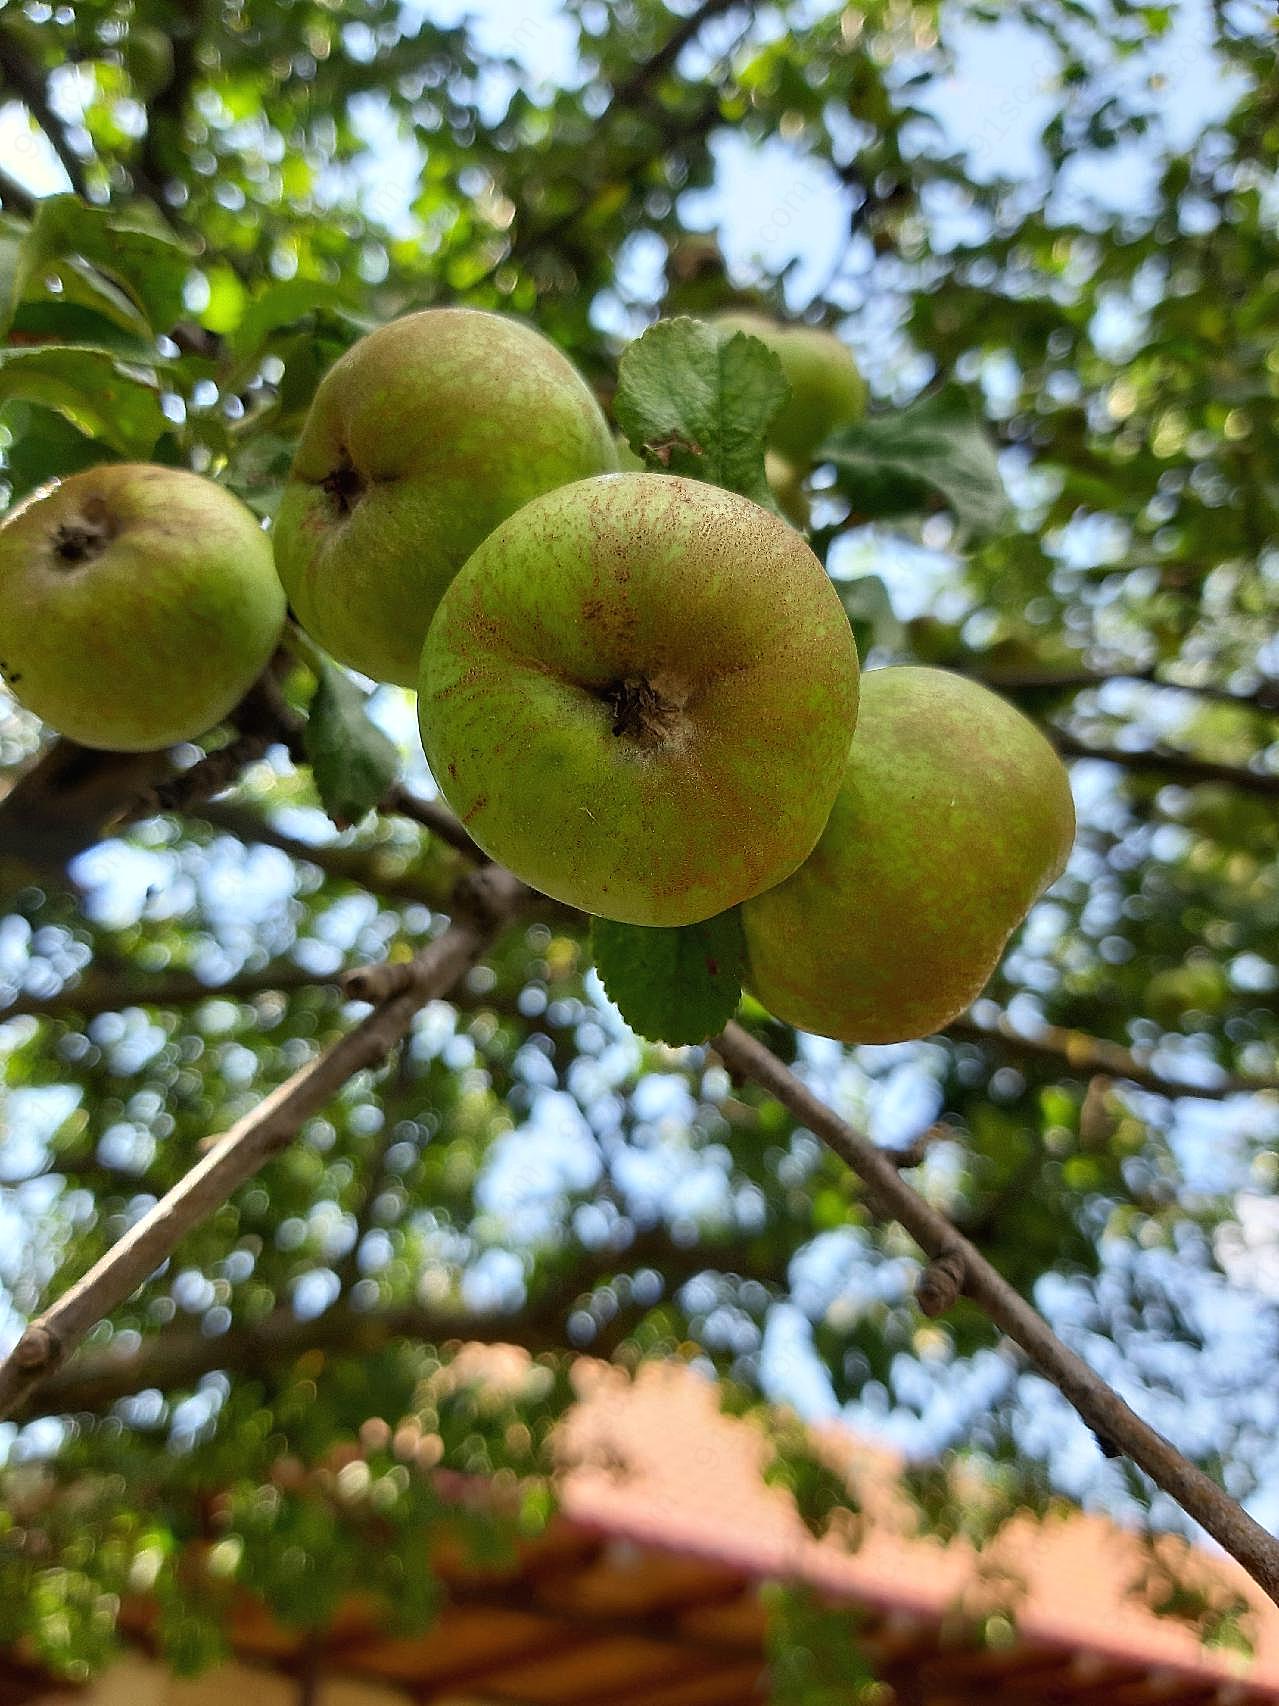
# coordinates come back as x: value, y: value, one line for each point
x: 639, y: 695
x: 955, y: 814
x: 420, y: 440
x: 827, y: 391
x: 786, y: 483
x: 138, y: 604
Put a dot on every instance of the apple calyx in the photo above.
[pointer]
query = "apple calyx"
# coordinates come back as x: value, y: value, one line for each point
x: 343, y: 485
x: 85, y: 537
x: 640, y: 711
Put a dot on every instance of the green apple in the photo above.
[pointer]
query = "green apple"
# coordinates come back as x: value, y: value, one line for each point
x: 138, y: 605
x: 827, y: 391
x: 954, y: 816
x: 787, y: 485
x: 639, y: 695
x: 421, y: 438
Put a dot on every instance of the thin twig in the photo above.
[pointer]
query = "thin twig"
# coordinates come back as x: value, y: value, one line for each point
x: 112, y: 994
x: 211, y: 775
x: 1177, y: 767
x: 1264, y: 699
x: 262, y: 719
x: 15, y: 197
x: 891, y: 1198
x: 265, y: 719
x: 1076, y: 1053
x: 250, y: 1143
x: 915, y: 1152
x: 632, y: 94
x: 1084, y: 1056
x: 651, y: 70
x: 435, y: 816
x: 178, y: 1356
x: 377, y: 869
x: 941, y: 1282
x: 28, y: 82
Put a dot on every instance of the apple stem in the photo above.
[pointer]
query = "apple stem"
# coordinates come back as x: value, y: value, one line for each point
x: 304, y: 648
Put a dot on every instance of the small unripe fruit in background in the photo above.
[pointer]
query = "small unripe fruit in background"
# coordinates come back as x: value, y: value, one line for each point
x: 421, y: 439
x: 639, y: 695
x: 138, y: 604
x: 148, y: 58
x: 827, y: 391
x: 787, y: 485
x: 954, y: 816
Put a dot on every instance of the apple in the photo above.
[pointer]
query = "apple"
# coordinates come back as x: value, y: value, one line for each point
x: 639, y: 695
x: 787, y: 485
x: 420, y: 439
x: 954, y: 815
x: 827, y: 391
x: 138, y: 604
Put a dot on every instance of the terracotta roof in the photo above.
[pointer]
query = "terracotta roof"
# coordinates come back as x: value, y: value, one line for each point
x: 645, y: 1590
x: 694, y: 1488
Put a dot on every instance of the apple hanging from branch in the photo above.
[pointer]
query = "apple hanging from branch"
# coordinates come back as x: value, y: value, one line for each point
x: 954, y: 815
x: 138, y: 604
x: 639, y: 695
x: 421, y: 439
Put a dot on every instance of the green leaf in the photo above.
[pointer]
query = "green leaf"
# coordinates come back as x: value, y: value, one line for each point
x: 693, y: 401
x: 870, y: 613
x: 352, y: 761
x: 151, y: 267
x: 282, y: 303
x: 45, y: 447
x: 98, y: 393
x: 936, y: 450
x: 305, y: 362
x: 81, y: 285
x: 672, y: 986
x: 12, y: 238
x: 51, y: 321
x: 260, y: 469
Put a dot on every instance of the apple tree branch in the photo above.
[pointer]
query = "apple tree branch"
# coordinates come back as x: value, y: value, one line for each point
x: 488, y: 903
x: 956, y: 1266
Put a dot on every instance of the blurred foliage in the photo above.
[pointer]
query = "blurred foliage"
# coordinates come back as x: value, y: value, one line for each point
x: 264, y: 186
x: 815, y: 1658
